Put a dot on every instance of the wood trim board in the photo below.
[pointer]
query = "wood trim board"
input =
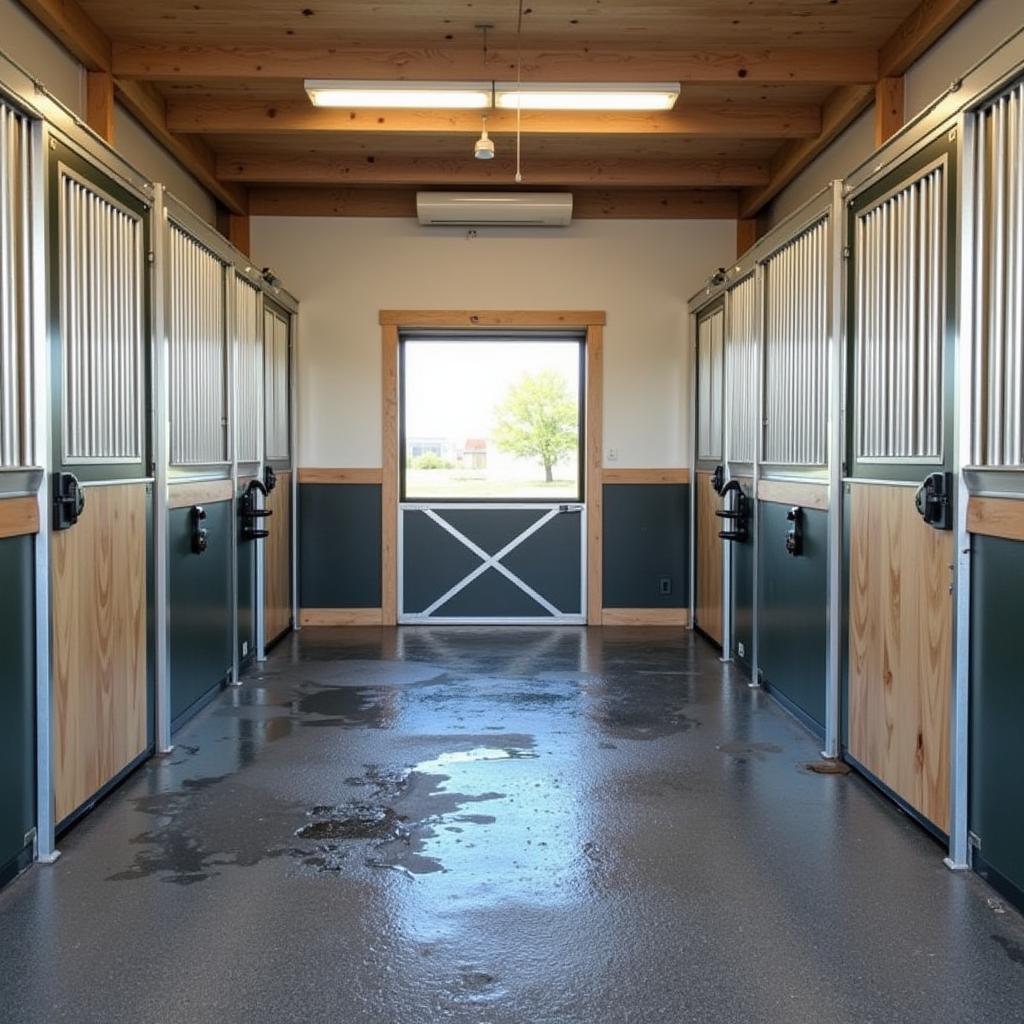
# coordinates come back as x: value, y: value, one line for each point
x: 341, y: 617
x: 996, y: 517
x: 645, y: 617
x: 389, y: 478
x: 594, y: 412
x: 204, y: 492
x: 324, y: 475
x: 645, y: 476
x: 19, y: 517
x: 490, y: 318
x: 807, y: 494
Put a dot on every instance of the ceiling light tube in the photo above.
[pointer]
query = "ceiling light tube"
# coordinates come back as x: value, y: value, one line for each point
x: 587, y: 95
x: 424, y: 95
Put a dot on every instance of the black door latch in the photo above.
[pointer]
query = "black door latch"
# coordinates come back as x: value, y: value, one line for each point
x: 933, y: 501
x: 737, y: 515
x: 68, y: 500
x: 718, y: 479
x: 269, y: 479
x: 250, y: 513
x: 200, y: 535
x: 795, y: 534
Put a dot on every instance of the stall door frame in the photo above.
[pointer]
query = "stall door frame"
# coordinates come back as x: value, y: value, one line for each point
x: 863, y: 483
x: 715, y: 585
x: 108, y: 481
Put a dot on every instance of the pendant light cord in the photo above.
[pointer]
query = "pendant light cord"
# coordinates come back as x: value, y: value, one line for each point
x: 519, y: 94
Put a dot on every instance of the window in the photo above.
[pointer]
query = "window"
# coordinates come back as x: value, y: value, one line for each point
x: 491, y: 417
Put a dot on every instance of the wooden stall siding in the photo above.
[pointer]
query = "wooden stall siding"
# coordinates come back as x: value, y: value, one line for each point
x: 996, y: 517
x: 277, y: 564
x: 18, y: 517
x: 708, y: 599
x: 99, y: 643
x: 900, y: 648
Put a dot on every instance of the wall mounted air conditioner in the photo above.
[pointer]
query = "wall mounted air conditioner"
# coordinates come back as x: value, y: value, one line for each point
x: 500, y: 209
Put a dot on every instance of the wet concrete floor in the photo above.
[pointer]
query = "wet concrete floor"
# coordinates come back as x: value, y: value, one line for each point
x: 497, y: 826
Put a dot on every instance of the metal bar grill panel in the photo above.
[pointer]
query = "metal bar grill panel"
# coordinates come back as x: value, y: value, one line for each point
x: 14, y: 215
x: 998, y: 434
x: 898, y: 327
x: 276, y: 383
x: 101, y: 268
x: 197, y: 337
x: 249, y: 369
x: 741, y: 371
x: 796, y: 350
x: 710, y: 339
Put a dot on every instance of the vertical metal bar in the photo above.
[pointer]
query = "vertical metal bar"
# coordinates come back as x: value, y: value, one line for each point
x: 293, y: 460
x: 726, y: 548
x: 959, y: 849
x: 232, y: 329
x: 694, y: 455
x: 37, y: 243
x: 163, y: 267
x: 759, y: 357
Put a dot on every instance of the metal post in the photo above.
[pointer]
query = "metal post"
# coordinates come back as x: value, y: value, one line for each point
x: 836, y: 443
x: 727, y: 605
x: 45, y: 850
x: 159, y: 269
x: 232, y: 330
x: 959, y: 846
x: 293, y: 448
x: 759, y: 307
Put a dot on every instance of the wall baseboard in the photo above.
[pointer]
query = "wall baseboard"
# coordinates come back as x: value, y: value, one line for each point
x: 645, y: 617
x: 340, y: 617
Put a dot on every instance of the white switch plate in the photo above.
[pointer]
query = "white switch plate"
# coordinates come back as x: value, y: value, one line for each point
x: 613, y: 454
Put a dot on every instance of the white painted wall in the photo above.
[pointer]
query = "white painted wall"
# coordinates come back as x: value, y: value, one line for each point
x: 343, y: 271
x: 979, y: 32
x: 29, y: 45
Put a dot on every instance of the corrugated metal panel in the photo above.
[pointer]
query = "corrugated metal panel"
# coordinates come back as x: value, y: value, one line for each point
x: 710, y: 338
x: 999, y: 296
x: 101, y: 267
x: 741, y: 371
x: 796, y: 351
x: 14, y: 178
x: 249, y: 369
x: 197, y: 336
x: 898, y: 325
x: 275, y: 334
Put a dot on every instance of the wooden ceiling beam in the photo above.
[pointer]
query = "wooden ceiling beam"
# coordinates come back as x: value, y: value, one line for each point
x: 588, y: 204
x: 167, y: 62
x: 216, y: 115
x: 395, y: 169
x: 79, y: 34
x: 147, y: 106
x: 919, y: 31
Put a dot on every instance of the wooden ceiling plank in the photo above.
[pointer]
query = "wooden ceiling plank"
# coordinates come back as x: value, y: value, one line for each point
x: 147, y: 106
x: 167, y: 62
x: 216, y: 115
x: 588, y: 204
x: 80, y: 35
x: 331, y: 169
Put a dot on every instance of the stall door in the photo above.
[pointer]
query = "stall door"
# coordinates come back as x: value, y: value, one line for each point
x: 900, y: 491
x: 277, y: 562
x: 708, y: 616
x: 101, y: 488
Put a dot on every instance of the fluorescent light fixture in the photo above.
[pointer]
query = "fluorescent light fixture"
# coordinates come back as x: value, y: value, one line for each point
x: 425, y: 95
x: 587, y: 96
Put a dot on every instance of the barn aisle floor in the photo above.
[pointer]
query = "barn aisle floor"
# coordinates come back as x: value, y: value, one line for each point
x: 515, y: 826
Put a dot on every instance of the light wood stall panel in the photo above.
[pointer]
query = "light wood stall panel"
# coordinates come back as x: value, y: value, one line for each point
x: 645, y: 617
x: 199, y: 492
x: 996, y: 517
x: 99, y: 643
x: 277, y: 566
x: 18, y: 517
x: 708, y: 604
x: 806, y: 494
x: 901, y: 647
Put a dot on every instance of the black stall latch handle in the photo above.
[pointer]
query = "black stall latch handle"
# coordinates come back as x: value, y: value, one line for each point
x: 933, y: 503
x: 200, y: 535
x: 68, y: 500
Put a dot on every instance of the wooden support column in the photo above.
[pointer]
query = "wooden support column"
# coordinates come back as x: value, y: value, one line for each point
x: 99, y: 104
x: 235, y: 228
x: 746, y: 234
x: 888, y: 108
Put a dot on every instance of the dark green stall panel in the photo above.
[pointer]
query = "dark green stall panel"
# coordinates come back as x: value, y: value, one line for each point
x: 646, y: 540
x: 17, y: 703
x: 997, y: 713
x: 743, y: 585
x: 246, y: 599
x: 199, y: 605
x: 793, y: 621
x: 339, y: 545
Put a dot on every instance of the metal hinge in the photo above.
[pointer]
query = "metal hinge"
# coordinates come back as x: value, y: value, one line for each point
x: 974, y: 840
x: 151, y: 257
x: 846, y: 252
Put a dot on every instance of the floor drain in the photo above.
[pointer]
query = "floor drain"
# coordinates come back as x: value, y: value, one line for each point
x: 828, y: 768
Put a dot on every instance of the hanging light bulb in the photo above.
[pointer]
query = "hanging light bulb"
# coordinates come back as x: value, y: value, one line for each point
x: 484, y: 147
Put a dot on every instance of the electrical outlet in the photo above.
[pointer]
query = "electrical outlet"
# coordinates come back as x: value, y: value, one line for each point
x: 613, y: 454
x: 665, y: 585
x: 741, y: 649
x: 245, y: 648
